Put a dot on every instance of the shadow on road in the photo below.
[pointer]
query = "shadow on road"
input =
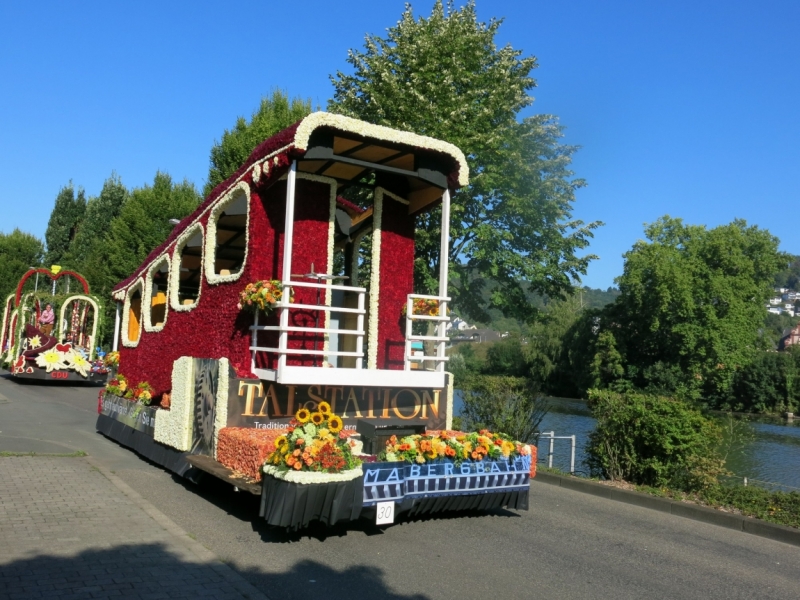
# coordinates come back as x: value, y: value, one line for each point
x: 151, y: 570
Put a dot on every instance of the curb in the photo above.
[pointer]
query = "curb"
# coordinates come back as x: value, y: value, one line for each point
x: 201, y: 552
x: 773, y: 531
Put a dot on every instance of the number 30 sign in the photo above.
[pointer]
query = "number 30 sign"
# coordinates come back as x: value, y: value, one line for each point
x: 385, y: 513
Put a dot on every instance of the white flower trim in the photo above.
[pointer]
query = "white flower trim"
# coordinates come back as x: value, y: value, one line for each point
x: 93, y: 336
x: 13, y: 321
x: 221, y: 402
x: 375, y: 280
x: 448, y: 422
x: 175, y: 271
x: 211, y: 234
x: 323, y: 119
x: 8, y: 308
x: 310, y: 477
x: 126, y: 312
x: 256, y: 172
x: 148, y: 294
x: 174, y: 426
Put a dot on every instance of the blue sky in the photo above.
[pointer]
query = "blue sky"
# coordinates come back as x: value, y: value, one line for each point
x: 681, y: 108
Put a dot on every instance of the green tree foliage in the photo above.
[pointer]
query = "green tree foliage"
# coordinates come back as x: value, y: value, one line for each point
x: 511, y: 405
x: 443, y: 76
x: 100, y: 211
x: 18, y: 252
x: 691, y: 304
x: 65, y: 221
x: 790, y: 276
x: 653, y: 440
x: 273, y: 115
x: 769, y: 384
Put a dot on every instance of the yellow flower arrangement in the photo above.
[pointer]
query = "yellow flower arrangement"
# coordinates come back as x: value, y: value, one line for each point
x: 303, y: 415
x: 475, y: 447
x: 324, y: 408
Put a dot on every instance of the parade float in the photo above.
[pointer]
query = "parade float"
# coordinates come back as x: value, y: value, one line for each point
x: 50, y: 328
x: 275, y: 341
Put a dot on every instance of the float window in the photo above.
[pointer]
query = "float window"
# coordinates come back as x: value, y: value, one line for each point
x: 159, y: 284
x: 231, y: 235
x: 189, y: 271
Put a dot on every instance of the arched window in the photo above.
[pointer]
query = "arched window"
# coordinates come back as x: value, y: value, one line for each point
x: 157, y: 289
x: 226, y: 249
x: 187, y: 267
x: 132, y: 318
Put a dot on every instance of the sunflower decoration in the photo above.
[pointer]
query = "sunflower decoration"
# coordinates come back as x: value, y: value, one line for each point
x: 335, y: 424
x: 313, y: 445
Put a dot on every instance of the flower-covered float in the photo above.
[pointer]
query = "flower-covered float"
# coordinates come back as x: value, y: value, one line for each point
x: 289, y: 292
x: 49, y: 328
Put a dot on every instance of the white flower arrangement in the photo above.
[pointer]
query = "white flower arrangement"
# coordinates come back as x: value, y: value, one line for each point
x: 221, y: 401
x: 309, y: 477
x: 174, y: 426
x: 51, y: 360
x: 175, y: 271
x: 147, y: 302
x: 126, y: 314
x: 91, y: 345
x: 211, y: 234
x: 379, y: 132
x: 8, y: 308
x: 256, y: 172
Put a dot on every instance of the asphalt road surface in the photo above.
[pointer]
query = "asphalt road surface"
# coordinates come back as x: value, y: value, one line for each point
x: 568, y: 545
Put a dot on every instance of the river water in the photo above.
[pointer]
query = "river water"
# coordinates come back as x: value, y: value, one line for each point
x: 770, y: 458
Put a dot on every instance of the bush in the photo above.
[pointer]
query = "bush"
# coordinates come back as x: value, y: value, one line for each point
x: 653, y: 440
x: 510, y: 405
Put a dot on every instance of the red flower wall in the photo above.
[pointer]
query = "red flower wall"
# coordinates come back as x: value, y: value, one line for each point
x: 396, y: 281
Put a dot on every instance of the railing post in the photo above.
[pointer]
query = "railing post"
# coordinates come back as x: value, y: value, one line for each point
x: 407, y: 360
x: 254, y: 343
x: 360, y: 329
x: 572, y: 457
x: 288, y: 234
x: 444, y: 267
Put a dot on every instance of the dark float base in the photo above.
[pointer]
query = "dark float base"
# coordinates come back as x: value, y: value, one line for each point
x: 294, y: 506
x: 144, y: 444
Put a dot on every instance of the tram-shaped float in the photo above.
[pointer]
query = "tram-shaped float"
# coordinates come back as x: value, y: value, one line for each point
x: 58, y: 347
x: 319, y: 226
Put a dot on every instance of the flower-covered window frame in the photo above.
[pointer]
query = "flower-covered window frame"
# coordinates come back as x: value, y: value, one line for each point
x: 160, y: 265
x: 239, y: 193
x: 177, y: 263
x: 62, y: 318
x: 128, y: 311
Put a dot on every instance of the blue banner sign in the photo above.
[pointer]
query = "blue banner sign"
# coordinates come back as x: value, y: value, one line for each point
x: 400, y: 480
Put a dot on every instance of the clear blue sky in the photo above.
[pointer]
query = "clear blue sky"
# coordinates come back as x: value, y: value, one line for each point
x: 688, y: 109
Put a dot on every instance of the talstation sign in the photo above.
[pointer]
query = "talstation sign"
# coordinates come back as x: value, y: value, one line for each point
x: 266, y: 404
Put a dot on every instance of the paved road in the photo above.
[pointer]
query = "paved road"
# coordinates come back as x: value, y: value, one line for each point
x: 569, y: 545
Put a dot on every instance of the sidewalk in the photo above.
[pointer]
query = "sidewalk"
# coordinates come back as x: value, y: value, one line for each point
x: 71, y: 529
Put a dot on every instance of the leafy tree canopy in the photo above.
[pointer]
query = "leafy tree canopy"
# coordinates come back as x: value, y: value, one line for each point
x: 691, y: 304
x: 65, y: 221
x: 18, y: 252
x: 443, y: 76
x: 273, y: 115
x: 100, y: 211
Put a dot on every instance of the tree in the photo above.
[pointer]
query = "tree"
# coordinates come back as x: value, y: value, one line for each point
x: 693, y: 299
x: 100, y: 211
x: 18, y: 252
x: 273, y: 115
x: 65, y: 220
x: 444, y: 77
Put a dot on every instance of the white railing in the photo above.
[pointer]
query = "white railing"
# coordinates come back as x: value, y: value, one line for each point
x: 441, y: 333
x: 284, y: 329
x: 551, y: 435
